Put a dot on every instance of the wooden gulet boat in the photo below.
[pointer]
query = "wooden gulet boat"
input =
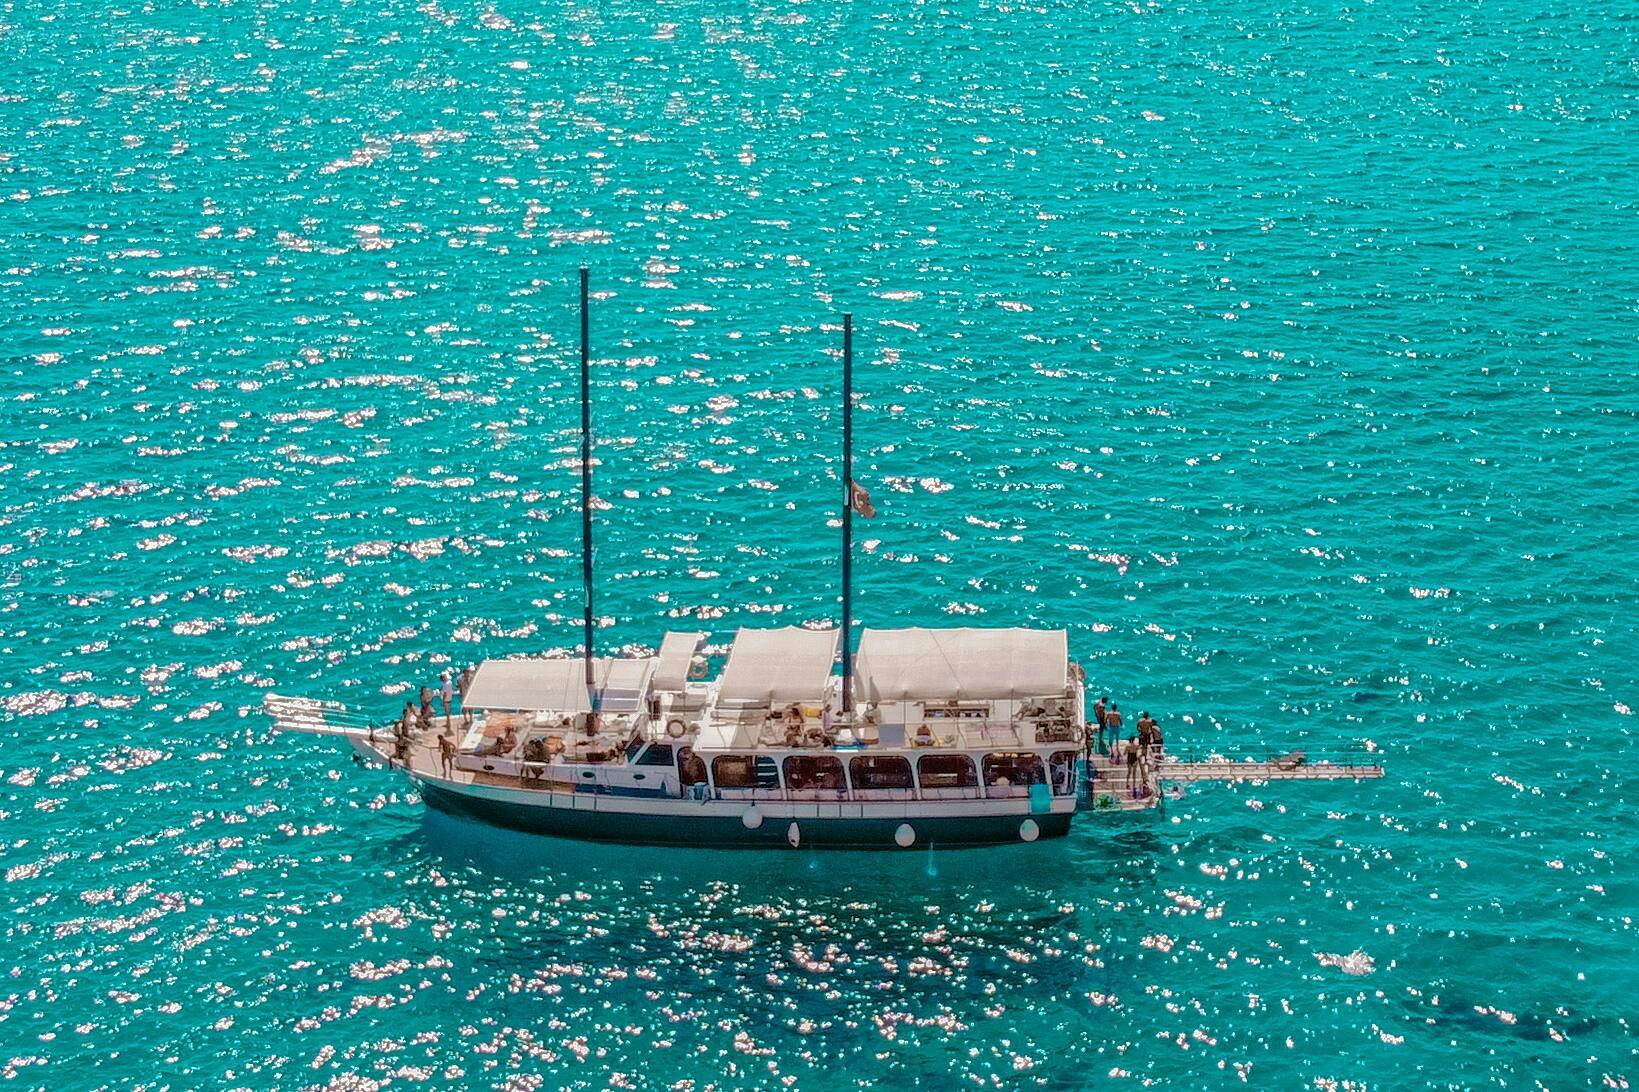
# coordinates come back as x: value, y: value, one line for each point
x: 928, y: 737
x: 762, y: 754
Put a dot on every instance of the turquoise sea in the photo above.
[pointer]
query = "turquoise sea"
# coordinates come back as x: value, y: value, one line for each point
x: 1286, y: 354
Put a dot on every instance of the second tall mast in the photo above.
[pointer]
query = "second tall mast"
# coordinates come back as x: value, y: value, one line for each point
x: 847, y: 509
x: 586, y: 476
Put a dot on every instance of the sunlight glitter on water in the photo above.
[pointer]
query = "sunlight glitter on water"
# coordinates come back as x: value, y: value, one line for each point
x: 1278, y: 356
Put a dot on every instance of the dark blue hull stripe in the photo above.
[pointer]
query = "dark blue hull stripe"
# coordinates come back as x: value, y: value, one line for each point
x: 711, y: 830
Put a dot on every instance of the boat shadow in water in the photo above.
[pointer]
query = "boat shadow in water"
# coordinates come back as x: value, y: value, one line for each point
x: 453, y: 841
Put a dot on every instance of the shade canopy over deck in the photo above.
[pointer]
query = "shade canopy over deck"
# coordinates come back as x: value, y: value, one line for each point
x: 676, y: 655
x: 559, y: 685
x: 961, y: 664
x: 778, y: 665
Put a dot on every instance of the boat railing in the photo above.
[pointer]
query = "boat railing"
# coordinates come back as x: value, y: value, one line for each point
x: 1357, y: 755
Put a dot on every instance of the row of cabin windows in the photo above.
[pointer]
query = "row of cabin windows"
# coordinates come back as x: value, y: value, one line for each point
x: 937, y: 771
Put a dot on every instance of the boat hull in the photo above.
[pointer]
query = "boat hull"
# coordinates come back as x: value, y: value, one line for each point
x: 687, y: 824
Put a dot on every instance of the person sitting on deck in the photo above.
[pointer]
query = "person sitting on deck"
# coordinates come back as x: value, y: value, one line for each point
x: 536, y: 756
x: 507, y: 741
x: 923, y: 737
x: 793, y: 726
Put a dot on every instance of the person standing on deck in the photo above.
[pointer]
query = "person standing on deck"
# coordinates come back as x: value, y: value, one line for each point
x: 446, y: 755
x: 465, y: 684
x: 1112, y: 723
x: 446, y: 691
x: 1149, y: 738
x: 401, y: 731
x: 424, y: 716
x: 1100, y: 713
x: 401, y: 735
x: 1131, y: 754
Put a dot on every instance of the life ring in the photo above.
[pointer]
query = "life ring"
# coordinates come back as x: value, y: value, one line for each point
x: 676, y: 728
x: 698, y: 670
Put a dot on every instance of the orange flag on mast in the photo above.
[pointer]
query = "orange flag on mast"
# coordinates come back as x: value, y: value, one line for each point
x: 860, y: 500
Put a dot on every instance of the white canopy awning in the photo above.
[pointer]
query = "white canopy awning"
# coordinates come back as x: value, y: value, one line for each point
x: 558, y: 685
x: 961, y: 664
x: 778, y: 665
x: 676, y: 654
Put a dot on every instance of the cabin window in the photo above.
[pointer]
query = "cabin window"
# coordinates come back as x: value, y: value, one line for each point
x: 946, y: 772
x: 734, y: 772
x: 658, y: 754
x: 806, y: 772
x: 880, y: 772
x: 691, y: 768
x: 1062, y: 769
x: 1004, y: 769
x: 745, y: 772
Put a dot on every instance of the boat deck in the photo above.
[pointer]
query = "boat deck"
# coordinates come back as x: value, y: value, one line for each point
x: 1103, y: 784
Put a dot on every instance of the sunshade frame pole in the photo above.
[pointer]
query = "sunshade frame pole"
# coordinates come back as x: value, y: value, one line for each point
x: 847, y: 509
x: 586, y: 475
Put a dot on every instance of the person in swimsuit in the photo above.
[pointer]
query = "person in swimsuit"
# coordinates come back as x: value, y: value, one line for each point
x: 1099, y: 715
x: 1133, y: 760
x: 1112, y: 724
x: 1149, y: 738
x: 446, y: 755
x: 507, y: 741
x: 401, y: 736
x: 536, y: 756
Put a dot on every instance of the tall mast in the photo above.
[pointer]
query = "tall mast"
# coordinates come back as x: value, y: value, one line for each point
x: 586, y: 473
x: 847, y: 509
